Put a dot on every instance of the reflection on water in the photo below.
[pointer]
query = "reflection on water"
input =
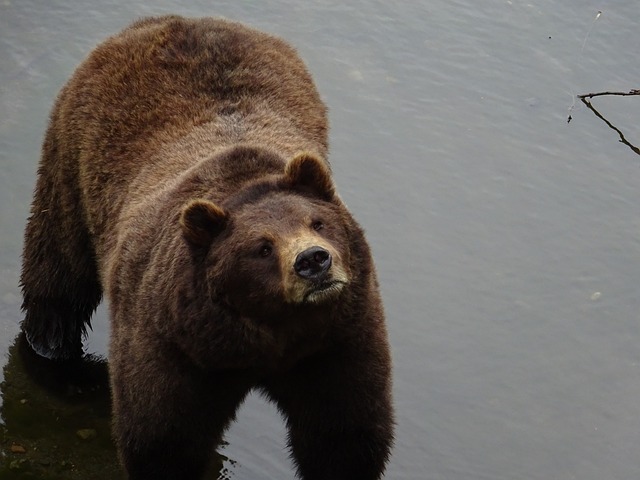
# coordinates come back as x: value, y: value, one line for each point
x: 56, y: 417
x: 56, y: 421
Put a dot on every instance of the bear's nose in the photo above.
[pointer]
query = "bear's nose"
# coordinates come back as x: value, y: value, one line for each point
x: 313, y: 263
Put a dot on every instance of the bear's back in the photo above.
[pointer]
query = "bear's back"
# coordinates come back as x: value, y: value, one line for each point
x: 158, y: 79
x: 168, y: 92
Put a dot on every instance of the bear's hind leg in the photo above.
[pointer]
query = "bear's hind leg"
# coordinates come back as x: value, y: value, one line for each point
x: 59, y: 279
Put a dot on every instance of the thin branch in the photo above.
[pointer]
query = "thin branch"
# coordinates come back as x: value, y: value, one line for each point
x: 599, y: 94
x: 609, y: 124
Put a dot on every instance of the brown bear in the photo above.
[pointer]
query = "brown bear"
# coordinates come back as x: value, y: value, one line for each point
x: 184, y: 174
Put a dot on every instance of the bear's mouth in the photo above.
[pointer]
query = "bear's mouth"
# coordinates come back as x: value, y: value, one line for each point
x: 323, y: 291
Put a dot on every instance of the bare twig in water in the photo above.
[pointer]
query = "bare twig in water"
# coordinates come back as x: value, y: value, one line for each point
x: 584, y: 96
x: 585, y: 99
x: 599, y: 94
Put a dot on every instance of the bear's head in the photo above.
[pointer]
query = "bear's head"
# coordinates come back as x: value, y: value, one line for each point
x: 281, y: 241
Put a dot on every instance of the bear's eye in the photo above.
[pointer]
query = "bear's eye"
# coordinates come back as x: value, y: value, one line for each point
x: 318, y: 225
x: 265, y: 251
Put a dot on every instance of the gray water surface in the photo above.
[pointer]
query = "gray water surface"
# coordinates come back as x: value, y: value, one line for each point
x: 507, y: 240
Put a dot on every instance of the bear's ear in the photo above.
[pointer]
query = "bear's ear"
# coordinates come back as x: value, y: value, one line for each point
x: 308, y: 171
x: 201, y: 220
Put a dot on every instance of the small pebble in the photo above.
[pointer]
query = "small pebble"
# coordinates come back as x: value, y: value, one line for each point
x: 15, y: 448
x: 17, y: 464
x: 87, y: 433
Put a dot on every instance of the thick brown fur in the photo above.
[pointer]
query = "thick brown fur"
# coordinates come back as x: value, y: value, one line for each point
x: 184, y: 174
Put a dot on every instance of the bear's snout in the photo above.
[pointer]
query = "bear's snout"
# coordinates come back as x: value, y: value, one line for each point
x: 313, y: 263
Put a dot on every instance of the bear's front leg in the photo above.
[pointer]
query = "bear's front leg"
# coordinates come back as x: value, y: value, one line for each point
x: 168, y: 415
x: 339, y: 413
